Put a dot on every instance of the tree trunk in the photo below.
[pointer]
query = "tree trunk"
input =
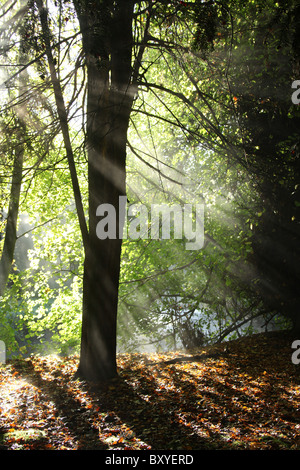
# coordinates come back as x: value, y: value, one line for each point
x: 109, y: 102
x: 12, y: 216
x: 16, y: 183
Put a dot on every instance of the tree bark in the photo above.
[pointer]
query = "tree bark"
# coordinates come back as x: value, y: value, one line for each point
x: 107, y: 43
x: 10, y: 238
x: 13, y: 211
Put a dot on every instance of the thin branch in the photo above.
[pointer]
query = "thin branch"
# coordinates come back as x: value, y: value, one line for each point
x: 160, y: 273
x: 153, y: 167
x: 33, y: 61
x: 35, y: 227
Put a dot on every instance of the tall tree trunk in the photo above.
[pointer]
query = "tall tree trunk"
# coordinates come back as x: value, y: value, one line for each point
x: 10, y: 238
x: 13, y: 211
x: 107, y: 43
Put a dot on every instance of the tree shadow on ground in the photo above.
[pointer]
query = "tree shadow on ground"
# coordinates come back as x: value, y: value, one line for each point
x: 162, y: 418
x: 202, y: 412
x: 73, y: 417
x: 196, y: 406
x: 156, y: 415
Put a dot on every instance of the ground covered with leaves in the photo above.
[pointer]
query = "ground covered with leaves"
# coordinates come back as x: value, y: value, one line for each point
x: 243, y: 394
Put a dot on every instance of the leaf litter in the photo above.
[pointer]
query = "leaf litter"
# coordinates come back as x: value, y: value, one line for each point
x: 242, y: 394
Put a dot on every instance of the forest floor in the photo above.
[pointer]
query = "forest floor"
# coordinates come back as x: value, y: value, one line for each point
x: 243, y: 394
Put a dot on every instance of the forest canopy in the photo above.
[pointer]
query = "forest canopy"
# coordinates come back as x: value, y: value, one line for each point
x: 168, y: 103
